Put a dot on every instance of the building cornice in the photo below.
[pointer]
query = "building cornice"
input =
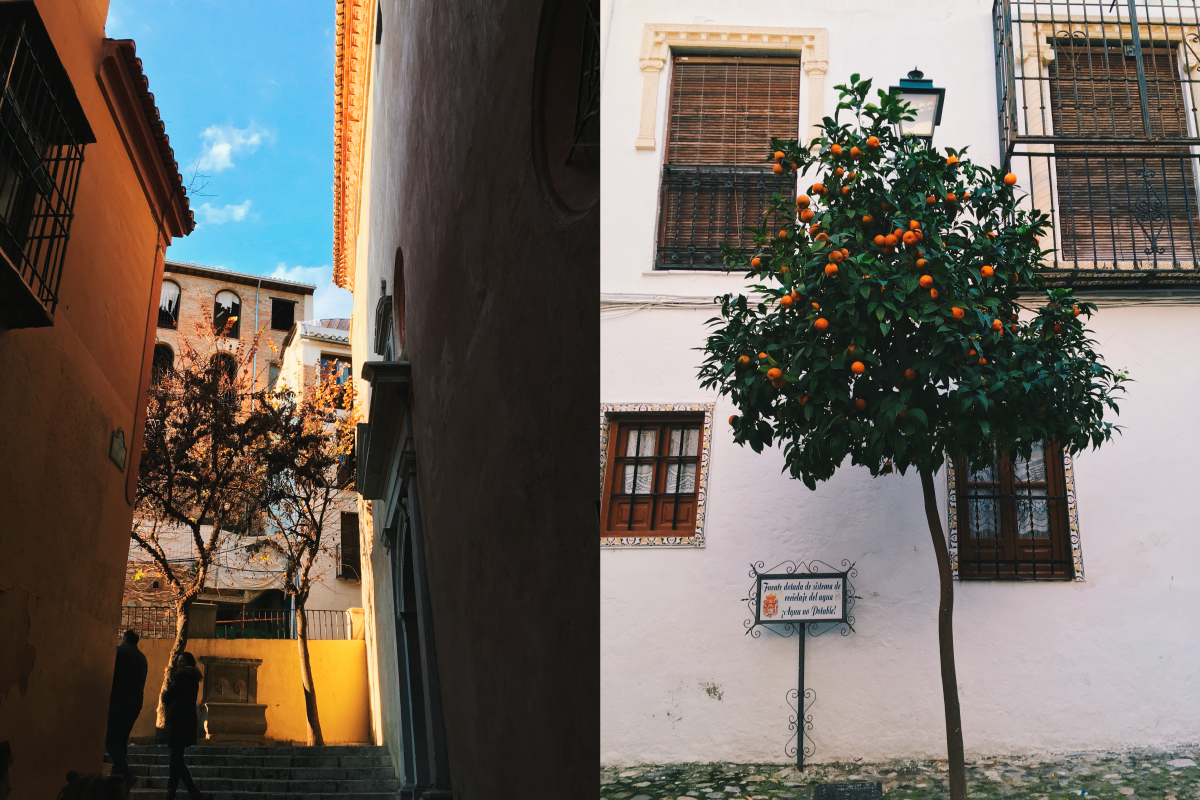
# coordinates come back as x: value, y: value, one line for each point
x: 240, y: 278
x: 350, y: 90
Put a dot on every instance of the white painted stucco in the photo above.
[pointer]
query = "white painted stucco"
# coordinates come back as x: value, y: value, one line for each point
x: 1112, y: 661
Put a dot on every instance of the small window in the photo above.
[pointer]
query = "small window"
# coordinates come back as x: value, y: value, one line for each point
x: 272, y: 374
x: 1013, y: 518
x: 338, y: 366
x: 283, y: 314
x: 164, y: 361
x: 225, y: 366
x: 227, y: 314
x: 652, y: 475
x: 349, y: 565
x: 168, y: 305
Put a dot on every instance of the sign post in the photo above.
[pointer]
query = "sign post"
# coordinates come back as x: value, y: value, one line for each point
x: 799, y: 599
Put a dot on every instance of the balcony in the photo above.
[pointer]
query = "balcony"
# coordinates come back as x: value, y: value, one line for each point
x: 1098, y: 105
x: 703, y: 207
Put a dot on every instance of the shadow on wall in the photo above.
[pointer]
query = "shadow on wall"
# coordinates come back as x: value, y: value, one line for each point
x: 339, y: 672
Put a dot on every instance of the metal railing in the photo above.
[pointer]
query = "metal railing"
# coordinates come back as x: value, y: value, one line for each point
x: 158, y: 622
x: 703, y: 207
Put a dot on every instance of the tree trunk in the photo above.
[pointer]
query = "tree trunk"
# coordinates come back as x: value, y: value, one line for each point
x: 954, y: 740
x: 183, y: 612
x: 306, y: 679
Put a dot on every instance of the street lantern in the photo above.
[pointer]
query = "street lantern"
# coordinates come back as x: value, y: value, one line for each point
x: 926, y: 102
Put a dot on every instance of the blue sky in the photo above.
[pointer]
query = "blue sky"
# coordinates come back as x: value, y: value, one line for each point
x: 246, y: 90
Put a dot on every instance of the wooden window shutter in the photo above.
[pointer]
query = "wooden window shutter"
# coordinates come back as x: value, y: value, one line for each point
x: 1133, y: 202
x: 351, y: 566
x: 725, y: 110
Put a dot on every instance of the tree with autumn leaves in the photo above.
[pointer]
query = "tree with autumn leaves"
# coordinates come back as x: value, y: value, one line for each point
x: 897, y: 317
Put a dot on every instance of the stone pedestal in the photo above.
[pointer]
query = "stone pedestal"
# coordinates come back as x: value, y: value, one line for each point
x: 231, y: 712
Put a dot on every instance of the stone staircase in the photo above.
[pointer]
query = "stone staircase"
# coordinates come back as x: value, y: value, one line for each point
x: 353, y: 772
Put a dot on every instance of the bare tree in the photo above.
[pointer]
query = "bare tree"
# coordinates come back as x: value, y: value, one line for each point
x: 308, y: 463
x: 198, y: 477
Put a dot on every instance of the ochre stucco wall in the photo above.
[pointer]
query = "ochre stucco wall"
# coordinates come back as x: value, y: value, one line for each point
x: 66, y: 388
x: 339, y: 674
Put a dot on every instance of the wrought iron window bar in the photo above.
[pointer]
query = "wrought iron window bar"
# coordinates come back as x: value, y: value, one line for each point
x: 43, y: 131
x: 703, y: 207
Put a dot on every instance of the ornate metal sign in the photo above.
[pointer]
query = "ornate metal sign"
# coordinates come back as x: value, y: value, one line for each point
x: 791, y: 597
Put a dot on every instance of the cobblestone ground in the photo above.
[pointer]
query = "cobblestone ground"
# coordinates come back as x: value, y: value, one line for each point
x: 1120, y: 776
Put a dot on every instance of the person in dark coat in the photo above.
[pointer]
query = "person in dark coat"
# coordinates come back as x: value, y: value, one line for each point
x: 125, y: 703
x: 179, y: 703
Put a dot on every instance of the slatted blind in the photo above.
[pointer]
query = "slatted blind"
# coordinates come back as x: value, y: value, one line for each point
x: 725, y: 110
x: 1130, y: 208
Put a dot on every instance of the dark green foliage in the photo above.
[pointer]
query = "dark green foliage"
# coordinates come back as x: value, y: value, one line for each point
x: 1037, y: 378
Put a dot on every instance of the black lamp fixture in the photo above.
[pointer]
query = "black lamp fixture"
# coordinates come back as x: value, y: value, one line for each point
x: 926, y: 101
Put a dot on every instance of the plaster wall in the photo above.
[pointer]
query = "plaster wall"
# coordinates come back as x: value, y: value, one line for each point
x: 66, y: 389
x: 1111, y: 661
x: 339, y: 675
x: 500, y: 297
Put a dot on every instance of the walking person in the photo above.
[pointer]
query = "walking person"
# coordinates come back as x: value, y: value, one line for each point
x: 179, y: 702
x: 125, y: 703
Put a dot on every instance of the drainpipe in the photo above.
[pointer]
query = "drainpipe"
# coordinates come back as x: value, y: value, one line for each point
x: 254, y: 375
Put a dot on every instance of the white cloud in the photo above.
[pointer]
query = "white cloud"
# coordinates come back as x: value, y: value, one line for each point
x: 329, y: 301
x: 227, y: 213
x: 223, y: 142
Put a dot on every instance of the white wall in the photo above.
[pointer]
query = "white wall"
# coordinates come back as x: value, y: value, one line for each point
x: 1113, y: 661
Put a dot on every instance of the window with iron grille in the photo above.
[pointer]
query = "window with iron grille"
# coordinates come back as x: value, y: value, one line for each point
x: 1098, y: 119
x: 43, y: 131
x: 1013, y: 518
x: 652, y: 475
x: 716, y: 181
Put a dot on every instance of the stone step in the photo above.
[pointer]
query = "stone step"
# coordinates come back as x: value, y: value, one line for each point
x: 227, y: 750
x: 198, y: 757
x: 284, y: 773
x: 290, y: 787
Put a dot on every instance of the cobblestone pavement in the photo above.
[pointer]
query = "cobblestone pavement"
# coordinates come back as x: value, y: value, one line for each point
x: 1120, y: 776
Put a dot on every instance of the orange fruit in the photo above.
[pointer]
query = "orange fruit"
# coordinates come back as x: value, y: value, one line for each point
x: 890, y: 240
x: 777, y: 169
x: 910, y: 374
x: 836, y: 149
x: 845, y: 251
x: 966, y: 195
x: 803, y: 201
x: 860, y: 404
x: 982, y: 361
x: 958, y: 312
x: 930, y: 200
x: 868, y: 219
x: 733, y: 419
x: 991, y: 235
x: 921, y: 263
x: 831, y: 269
x: 880, y: 240
x: 1010, y: 179
x: 909, y: 237
x: 821, y: 237
x: 782, y: 234
x: 817, y: 306
x: 754, y: 262
x: 986, y: 271
x: 818, y: 188
x: 951, y: 197
x: 858, y: 368
x: 850, y: 350
x: 779, y: 155
x: 803, y: 399
x: 997, y: 325
x: 836, y: 256
x: 951, y: 161
x: 1057, y: 327
x: 872, y: 141
x: 898, y: 232
x: 779, y: 384
x: 786, y: 301
x: 902, y: 414
x: 1074, y: 311
x: 794, y: 295
x: 807, y: 215
x: 762, y: 356
x: 855, y: 152
x: 743, y: 361
x: 913, y: 224
x: 845, y: 190
x: 839, y: 172
x: 926, y: 281
x: 774, y: 374
x: 933, y: 294
x: 793, y: 165
x: 853, y: 175
x: 821, y: 323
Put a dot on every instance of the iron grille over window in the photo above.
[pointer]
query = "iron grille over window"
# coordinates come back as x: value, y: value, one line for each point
x: 716, y: 181
x: 43, y: 131
x: 1013, y: 518
x: 652, y: 473
x: 1098, y: 112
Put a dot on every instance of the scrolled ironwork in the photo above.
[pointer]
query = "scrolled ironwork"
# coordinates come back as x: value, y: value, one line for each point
x: 800, y: 724
x: 791, y: 567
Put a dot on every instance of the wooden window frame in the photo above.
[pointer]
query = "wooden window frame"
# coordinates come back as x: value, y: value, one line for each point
x: 612, y: 417
x: 1012, y: 557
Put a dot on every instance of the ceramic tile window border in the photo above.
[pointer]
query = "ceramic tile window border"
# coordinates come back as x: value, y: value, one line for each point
x: 696, y: 539
x: 810, y: 44
x: 1072, y: 515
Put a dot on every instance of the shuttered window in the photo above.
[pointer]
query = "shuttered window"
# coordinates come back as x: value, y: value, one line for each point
x: 1131, y: 202
x: 717, y: 179
x: 1013, y: 517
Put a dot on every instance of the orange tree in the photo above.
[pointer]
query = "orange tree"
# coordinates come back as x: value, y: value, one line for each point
x: 897, y: 317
